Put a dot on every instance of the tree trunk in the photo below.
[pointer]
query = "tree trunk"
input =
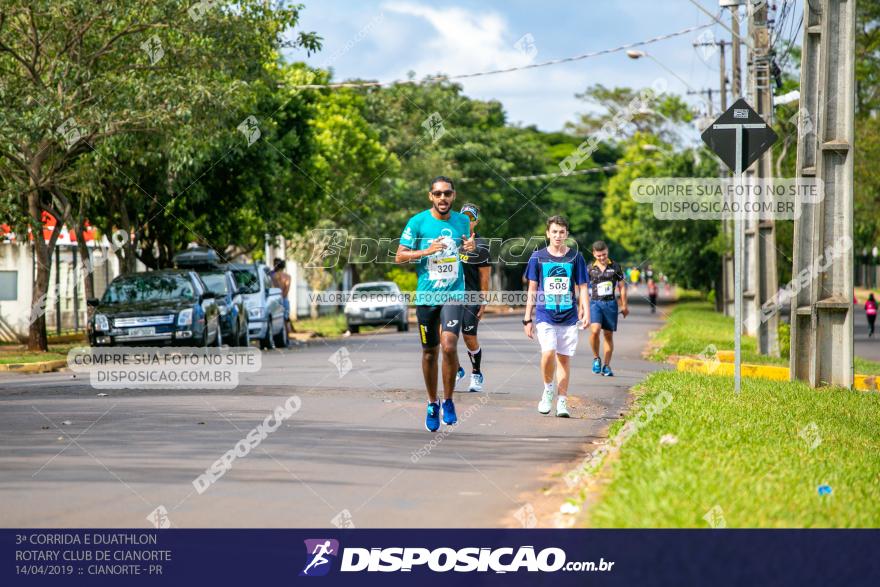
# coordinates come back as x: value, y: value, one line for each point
x: 719, y: 289
x: 87, y: 265
x: 37, y: 338
x: 129, y: 259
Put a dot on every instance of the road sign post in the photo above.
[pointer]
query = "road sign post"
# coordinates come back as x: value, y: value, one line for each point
x: 752, y: 136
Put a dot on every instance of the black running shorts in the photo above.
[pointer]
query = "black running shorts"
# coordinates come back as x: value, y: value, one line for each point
x: 433, y: 319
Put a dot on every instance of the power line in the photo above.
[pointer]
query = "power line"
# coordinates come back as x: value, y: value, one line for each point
x: 506, y: 70
x: 551, y: 175
x: 794, y: 31
x: 717, y: 19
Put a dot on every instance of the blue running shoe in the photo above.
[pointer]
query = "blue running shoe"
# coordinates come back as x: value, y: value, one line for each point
x: 432, y: 420
x: 597, y: 366
x: 607, y: 372
x: 449, y: 416
x: 460, y: 375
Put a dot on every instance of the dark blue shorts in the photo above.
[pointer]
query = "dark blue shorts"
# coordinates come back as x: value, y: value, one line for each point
x: 604, y: 313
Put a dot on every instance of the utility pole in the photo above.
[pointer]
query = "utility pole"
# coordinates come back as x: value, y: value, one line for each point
x: 822, y: 310
x: 722, y: 62
x: 734, y: 5
x: 722, y: 293
x: 762, y: 281
x: 736, y: 93
x: 708, y: 93
x: 723, y: 289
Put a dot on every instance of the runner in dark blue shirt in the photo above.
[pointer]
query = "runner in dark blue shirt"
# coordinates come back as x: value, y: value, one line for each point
x: 606, y: 276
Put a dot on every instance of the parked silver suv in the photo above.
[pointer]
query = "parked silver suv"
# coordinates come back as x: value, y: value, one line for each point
x: 263, y: 302
x: 376, y: 303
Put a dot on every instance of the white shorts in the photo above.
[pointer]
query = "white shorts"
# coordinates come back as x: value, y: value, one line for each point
x: 557, y: 337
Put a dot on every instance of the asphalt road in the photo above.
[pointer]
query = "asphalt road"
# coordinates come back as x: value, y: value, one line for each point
x: 356, y: 452
x: 867, y: 348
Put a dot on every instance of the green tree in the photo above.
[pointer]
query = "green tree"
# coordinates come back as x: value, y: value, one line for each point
x: 687, y: 251
x: 471, y: 144
x: 630, y: 111
x: 75, y: 73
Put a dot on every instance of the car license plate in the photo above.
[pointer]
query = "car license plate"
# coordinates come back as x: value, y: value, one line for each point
x: 147, y: 331
x: 372, y: 314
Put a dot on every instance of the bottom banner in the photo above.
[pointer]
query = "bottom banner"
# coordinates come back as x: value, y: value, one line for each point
x: 435, y: 557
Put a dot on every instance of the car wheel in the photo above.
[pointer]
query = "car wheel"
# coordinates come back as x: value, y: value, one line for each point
x: 268, y: 342
x: 402, y: 326
x: 354, y: 329
x: 244, y: 338
x: 281, y: 340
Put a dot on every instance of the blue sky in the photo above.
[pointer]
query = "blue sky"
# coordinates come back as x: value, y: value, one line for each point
x: 385, y: 39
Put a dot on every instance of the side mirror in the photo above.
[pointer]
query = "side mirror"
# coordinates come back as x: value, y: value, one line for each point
x: 92, y: 302
x: 208, y: 295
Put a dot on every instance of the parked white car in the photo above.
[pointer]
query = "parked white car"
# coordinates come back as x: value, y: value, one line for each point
x: 376, y: 303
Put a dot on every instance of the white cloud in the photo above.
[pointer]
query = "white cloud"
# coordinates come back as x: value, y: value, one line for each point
x: 413, y: 36
x: 461, y: 41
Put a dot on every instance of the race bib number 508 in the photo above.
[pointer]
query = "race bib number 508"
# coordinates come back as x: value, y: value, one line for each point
x: 556, y: 285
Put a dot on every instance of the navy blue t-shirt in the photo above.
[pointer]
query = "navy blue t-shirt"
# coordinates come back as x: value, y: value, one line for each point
x: 558, y: 278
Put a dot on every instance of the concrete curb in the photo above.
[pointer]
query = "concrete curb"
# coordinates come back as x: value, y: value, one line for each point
x: 773, y: 372
x: 36, y: 367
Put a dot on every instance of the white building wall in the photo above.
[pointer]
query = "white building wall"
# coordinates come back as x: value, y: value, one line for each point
x: 15, y: 314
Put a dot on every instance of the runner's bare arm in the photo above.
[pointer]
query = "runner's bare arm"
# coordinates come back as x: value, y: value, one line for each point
x: 405, y: 254
x: 584, y: 299
x: 624, y: 307
x: 530, y: 303
x: 485, y: 272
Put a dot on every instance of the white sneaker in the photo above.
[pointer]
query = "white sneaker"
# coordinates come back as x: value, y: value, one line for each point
x: 546, y: 403
x: 562, y: 407
x: 476, y: 382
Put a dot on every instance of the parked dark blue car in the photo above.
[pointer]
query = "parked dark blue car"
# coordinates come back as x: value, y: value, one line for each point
x: 169, y: 307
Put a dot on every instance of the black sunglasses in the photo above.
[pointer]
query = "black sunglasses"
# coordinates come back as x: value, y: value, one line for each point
x: 446, y: 193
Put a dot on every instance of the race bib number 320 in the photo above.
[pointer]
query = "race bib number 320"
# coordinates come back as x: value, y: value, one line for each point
x: 443, y: 268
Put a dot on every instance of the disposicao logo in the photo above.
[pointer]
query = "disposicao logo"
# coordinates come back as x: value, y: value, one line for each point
x: 320, y: 553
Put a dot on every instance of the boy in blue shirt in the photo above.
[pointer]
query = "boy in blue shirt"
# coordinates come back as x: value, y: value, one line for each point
x: 558, y: 276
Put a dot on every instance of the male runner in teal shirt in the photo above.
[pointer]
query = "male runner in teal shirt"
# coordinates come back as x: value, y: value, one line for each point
x: 434, y: 238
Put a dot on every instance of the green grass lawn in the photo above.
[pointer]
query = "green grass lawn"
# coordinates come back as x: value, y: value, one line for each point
x: 746, y: 453
x: 329, y: 325
x: 18, y: 354
x: 692, y: 327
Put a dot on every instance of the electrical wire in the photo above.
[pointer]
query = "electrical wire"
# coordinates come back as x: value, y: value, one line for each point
x: 506, y: 70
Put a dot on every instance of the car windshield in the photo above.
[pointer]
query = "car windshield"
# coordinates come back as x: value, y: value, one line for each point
x: 372, y: 293
x: 216, y: 282
x: 372, y: 289
x: 148, y: 288
x: 247, y: 279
